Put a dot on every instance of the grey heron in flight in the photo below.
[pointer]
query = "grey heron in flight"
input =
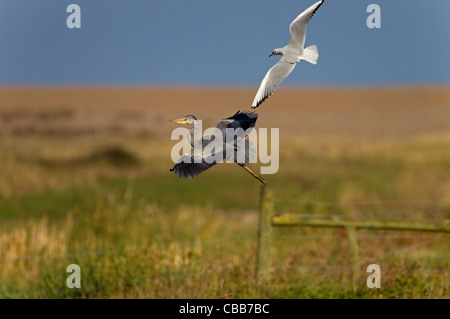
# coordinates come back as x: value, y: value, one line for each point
x: 188, y: 167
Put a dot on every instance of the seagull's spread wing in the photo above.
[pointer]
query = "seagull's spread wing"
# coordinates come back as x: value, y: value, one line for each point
x: 298, y: 26
x: 272, y: 80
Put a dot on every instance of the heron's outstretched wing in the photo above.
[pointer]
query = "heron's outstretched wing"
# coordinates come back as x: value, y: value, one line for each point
x: 192, y: 164
x: 272, y: 80
x: 187, y: 167
x: 238, y: 148
x: 298, y: 26
x: 244, y: 120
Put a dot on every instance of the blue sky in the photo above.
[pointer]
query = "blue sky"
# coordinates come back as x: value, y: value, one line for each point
x: 206, y: 42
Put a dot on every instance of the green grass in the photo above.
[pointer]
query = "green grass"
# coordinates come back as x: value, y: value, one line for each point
x: 138, y: 231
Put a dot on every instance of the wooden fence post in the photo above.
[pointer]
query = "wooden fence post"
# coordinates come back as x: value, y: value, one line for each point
x: 353, y: 241
x: 263, y: 263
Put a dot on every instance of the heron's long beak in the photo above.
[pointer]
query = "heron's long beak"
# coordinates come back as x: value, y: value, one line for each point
x: 270, y: 55
x: 176, y: 121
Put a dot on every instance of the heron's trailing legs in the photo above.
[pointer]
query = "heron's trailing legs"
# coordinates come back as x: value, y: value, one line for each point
x: 251, y: 172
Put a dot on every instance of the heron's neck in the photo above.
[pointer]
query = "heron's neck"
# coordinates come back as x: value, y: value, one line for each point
x: 193, y: 131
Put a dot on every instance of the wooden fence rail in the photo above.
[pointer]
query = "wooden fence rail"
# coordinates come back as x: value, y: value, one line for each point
x: 267, y: 220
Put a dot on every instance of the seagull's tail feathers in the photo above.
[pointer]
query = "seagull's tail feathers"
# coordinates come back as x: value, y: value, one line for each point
x: 310, y: 54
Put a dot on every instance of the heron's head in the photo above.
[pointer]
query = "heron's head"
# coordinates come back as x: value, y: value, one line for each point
x: 188, y: 119
x: 276, y: 52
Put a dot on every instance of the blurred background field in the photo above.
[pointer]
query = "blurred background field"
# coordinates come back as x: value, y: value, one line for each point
x: 84, y: 178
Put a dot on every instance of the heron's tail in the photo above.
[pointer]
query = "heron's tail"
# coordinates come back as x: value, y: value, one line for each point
x: 310, y: 54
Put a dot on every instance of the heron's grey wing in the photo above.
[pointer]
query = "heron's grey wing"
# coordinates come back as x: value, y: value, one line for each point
x: 187, y: 167
x: 238, y: 149
x: 244, y: 152
x: 244, y: 120
x: 272, y: 80
x: 298, y: 26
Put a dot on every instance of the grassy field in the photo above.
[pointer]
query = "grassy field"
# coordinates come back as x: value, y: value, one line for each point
x: 84, y: 179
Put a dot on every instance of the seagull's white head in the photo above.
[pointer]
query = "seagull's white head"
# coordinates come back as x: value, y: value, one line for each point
x: 276, y: 52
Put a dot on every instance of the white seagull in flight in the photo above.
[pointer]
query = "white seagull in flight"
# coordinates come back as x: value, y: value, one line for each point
x: 292, y: 53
